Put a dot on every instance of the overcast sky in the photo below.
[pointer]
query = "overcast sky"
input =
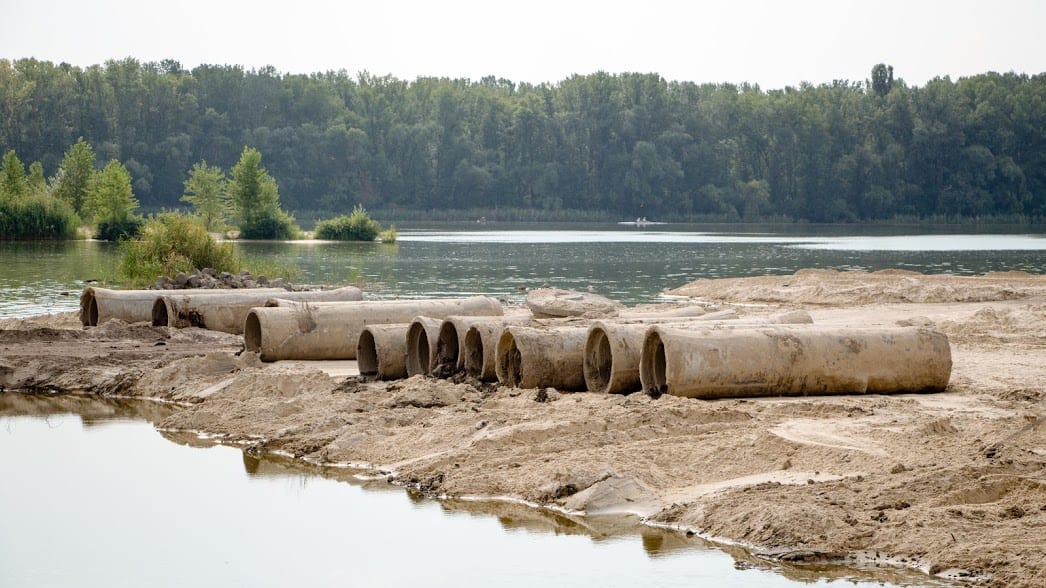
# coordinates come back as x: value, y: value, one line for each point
x: 771, y: 43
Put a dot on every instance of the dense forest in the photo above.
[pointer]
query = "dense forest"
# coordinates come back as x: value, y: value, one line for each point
x: 623, y: 145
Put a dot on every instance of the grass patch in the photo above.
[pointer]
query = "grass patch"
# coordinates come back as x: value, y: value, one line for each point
x: 37, y: 218
x: 358, y: 226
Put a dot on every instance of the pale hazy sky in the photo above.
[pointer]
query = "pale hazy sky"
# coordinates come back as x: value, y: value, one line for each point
x: 770, y: 43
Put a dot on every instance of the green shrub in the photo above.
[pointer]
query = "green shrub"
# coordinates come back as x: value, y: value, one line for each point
x: 170, y: 243
x: 276, y: 225
x: 389, y: 235
x: 115, y: 230
x: 358, y: 226
x: 36, y: 217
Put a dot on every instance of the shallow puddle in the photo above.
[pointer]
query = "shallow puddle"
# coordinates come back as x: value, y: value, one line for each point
x: 92, y: 495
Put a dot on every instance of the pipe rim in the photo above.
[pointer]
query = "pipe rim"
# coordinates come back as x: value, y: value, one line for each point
x: 367, y: 355
x: 161, y: 316
x: 417, y: 350
x: 599, y: 361
x: 509, y: 361
x: 448, y: 359
x: 653, y: 364
x: 474, y: 352
x: 252, y: 332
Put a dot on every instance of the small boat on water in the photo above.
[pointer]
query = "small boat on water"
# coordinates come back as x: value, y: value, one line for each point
x: 641, y: 222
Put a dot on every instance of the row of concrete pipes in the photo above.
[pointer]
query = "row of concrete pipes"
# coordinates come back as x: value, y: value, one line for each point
x: 686, y: 352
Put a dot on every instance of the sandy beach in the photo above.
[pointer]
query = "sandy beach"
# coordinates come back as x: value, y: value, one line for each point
x: 952, y: 484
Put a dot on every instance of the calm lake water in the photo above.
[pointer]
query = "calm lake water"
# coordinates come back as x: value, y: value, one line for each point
x: 91, y: 495
x: 628, y: 264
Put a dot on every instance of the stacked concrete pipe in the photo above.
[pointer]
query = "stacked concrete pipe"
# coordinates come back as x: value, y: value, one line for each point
x: 98, y: 305
x: 538, y: 357
x: 613, y: 347
x: 331, y: 330
x: 227, y: 310
x: 381, y: 352
x: 794, y: 361
x: 422, y: 337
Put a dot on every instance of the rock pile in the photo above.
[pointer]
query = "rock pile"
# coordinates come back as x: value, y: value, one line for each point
x: 209, y: 278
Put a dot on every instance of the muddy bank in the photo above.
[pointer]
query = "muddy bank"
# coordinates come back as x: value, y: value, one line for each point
x: 952, y: 483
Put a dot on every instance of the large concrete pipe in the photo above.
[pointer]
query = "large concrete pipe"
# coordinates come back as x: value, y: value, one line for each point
x: 421, y: 345
x: 481, y: 343
x: 794, y: 361
x: 614, y: 347
x: 331, y: 330
x: 536, y: 357
x: 382, y: 351
x: 450, y: 345
x: 227, y: 311
x: 98, y: 305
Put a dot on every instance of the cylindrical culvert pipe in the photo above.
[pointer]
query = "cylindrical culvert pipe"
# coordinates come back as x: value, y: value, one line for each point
x: 331, y: 330
x: 614, y: 347
x: 450, y: 345
x: 227, y: 311
x: 481, y: 343
x: 794, y: 361
x: 422, y: 336
x: 382, y: 351
x: 538, y: 357
x: 98, y: 305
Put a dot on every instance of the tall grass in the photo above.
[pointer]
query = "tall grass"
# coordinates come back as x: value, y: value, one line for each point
x: 37, y: 217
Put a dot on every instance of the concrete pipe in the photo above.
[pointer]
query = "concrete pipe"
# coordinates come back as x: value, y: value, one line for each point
x: 536, y: 357
x: 450, y: 345
x: 614, y: 347
x: 382, y: 351
x: 421, y: 345
x: 794, y: 361
x: 331, y: 330
x: 98, y: 305
x: 226, y: 312
x: 481, y: 343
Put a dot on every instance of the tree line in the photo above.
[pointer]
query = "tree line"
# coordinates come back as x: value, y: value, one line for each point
x: 625, y: 145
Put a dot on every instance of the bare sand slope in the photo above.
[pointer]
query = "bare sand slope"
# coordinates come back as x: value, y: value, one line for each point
x: 953, y: 484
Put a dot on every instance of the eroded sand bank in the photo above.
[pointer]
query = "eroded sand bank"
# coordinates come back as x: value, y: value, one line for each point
x: 952, y: 483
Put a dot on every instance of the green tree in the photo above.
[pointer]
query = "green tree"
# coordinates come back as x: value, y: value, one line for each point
x: 13, y: 185
x: 74, y: 175
x: 205, y: 190
x: 36, y: 181
x: 111, y: 203
x: 256, y: 200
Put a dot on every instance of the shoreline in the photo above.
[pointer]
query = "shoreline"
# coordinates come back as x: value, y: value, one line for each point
x: 950, y: 484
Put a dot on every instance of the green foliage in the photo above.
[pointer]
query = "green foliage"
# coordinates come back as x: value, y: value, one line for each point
x: 73, y: 179
x: 598, y: 145
x: 256, y: 201
x: 205, y: 191
x: 170, y: 243
x: 110, y: 198
x: 27, y: 211
x: 389, y: 235
x: 36, y: 217
x: 358, y: 226
x: 117, y: 230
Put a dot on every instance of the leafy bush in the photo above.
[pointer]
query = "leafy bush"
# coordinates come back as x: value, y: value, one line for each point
x: 389, y: 235
x: 115, y: 230
x: 274, y: 225
x: 37, y: 217
x: 170, y: 243
x: 358, y: 226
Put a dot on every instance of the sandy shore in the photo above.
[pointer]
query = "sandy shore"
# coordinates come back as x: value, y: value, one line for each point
x: 953, y: 484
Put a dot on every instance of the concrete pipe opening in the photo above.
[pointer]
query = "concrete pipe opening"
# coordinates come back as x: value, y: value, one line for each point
x: 367, y: 355
x: 509, y: 361
x: 447, y: 350
x: 599, y: 361
x: 654, y: 365
x: 90, y: 305
x: 252, y: 333
x: 417, y: 349
x: 474, y: 353
x: 160, y: 313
